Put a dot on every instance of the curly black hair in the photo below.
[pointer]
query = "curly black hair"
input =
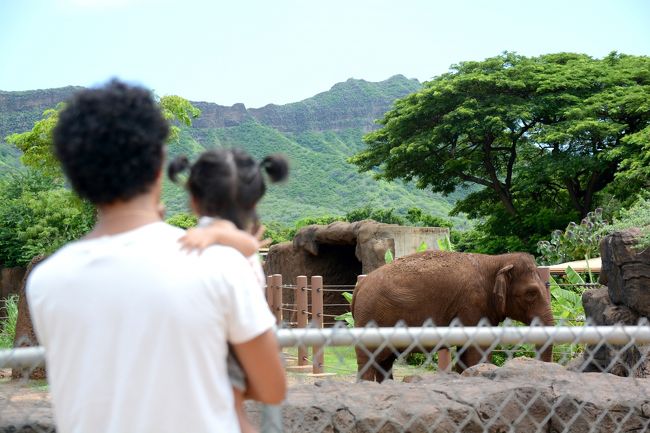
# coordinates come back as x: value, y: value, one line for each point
x: 228, y: 183
x: 110, y: 142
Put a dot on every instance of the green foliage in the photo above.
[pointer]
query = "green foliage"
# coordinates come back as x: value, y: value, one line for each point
x: 8, y: 326
x: 423, y: 247
x: 445, y: 244
x: 636, y: 216
x: 388, y: 256
x: 386, y: 216
x: 177, y: 110
x: 38, y: 216
x: 542, y: 136
x: 347, y: 316
x: 576, y: 242
x: 416, y: 217
x: 321, y: 181
x: 566, y: 303
x: 183, y: 220
x: 36, y: 144
x: 504, y: 353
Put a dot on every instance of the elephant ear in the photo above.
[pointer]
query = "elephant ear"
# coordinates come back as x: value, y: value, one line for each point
x: 501, y: 288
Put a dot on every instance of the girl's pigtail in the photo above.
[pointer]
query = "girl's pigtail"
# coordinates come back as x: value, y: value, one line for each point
x: 177, y: 166
x: 276, y: 166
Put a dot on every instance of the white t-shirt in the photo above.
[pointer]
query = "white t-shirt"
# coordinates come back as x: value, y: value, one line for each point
x: 136, y: 332
x: 254, y: 260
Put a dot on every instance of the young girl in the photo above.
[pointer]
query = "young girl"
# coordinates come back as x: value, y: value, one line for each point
x: 225, y: 186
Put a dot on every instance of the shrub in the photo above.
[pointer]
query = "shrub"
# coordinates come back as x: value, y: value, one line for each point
x: 8, y: 326
x: 638, y: 216
x: 576, y: 242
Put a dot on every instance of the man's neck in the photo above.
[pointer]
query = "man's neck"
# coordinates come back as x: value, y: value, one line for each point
x: 119, y: 217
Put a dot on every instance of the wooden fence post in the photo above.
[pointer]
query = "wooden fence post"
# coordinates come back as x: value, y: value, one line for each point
x: 301, y: 306
x: 318, y: 358
x: 277, y: 297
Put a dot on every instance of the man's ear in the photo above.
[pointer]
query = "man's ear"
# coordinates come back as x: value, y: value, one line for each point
x: 194, y: 206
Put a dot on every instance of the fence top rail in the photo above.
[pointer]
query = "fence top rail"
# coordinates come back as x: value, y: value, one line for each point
x: 408, y: 337
x: 483, y: 336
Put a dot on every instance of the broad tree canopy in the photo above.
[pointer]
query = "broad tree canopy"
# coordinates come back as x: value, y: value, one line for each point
x: 540, y: 136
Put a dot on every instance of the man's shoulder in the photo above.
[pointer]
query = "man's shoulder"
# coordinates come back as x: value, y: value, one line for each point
x: 222, y: 253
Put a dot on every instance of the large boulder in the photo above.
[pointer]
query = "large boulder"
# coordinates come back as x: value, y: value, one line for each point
x: 629, y: 360
x: 626, y: 271
x: 341, y: 251
x: 625, y: 301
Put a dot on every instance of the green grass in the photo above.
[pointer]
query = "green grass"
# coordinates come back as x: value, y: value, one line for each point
x: 8, y: 326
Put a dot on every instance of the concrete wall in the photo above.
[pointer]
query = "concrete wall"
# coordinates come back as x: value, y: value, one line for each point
x: 408, y: 239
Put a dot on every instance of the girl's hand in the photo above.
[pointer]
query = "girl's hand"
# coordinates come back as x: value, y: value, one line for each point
x: 259, y: 235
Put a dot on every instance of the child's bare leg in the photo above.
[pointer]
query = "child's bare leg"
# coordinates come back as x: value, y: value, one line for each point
x: 244, y: 423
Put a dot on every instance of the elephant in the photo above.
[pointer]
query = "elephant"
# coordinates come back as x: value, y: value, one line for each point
x: 439, y: 286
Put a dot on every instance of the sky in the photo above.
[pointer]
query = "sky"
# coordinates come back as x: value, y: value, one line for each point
x: 281, y: 51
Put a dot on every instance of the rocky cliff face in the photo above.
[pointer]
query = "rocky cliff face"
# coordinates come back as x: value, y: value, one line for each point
x: 19, y: 110
x: 351, y: 104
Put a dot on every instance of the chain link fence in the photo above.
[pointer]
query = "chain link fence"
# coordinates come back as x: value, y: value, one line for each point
x: 582, y: 390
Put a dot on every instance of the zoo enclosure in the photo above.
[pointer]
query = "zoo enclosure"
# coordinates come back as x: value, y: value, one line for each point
x: 308, y: 310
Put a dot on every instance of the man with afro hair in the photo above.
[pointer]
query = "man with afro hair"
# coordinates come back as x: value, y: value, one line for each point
x: 135, y: 329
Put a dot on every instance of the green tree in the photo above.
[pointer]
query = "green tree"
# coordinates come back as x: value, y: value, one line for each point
x: 37, y: 213
x: 37, y: 216
x: 542, y: 136
x: 37, y: 144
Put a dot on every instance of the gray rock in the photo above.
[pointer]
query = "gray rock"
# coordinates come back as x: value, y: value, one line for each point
x: 524, y: 396
x: 626, y: 271
x: 615, y: 359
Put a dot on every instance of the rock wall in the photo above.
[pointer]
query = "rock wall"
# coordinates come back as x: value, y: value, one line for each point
x: 523, y: 396
x: 626, y: 300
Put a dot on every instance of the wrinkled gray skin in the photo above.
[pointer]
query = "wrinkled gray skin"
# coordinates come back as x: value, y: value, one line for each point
x: 441, y: 286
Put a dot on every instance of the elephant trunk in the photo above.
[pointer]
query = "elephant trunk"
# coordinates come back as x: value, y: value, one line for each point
x: 547, y: 354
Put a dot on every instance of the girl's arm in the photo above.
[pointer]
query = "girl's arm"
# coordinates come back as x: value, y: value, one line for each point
x: 220, y: 232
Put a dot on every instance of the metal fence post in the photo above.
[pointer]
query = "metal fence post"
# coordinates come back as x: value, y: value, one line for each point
x: 277, y: 297
x: 301, y: 304
x: 318, y: 357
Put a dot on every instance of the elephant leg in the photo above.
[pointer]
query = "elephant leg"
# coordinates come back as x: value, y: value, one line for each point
x: 386, y: 368
x: 471, y: 356
x: 444, y: 359
x: 365, y: 369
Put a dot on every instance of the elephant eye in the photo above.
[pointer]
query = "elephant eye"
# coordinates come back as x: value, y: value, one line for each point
x: 531, y: 294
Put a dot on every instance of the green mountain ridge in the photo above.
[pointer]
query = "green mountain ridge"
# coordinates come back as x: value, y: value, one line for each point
x: 317, y: 134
